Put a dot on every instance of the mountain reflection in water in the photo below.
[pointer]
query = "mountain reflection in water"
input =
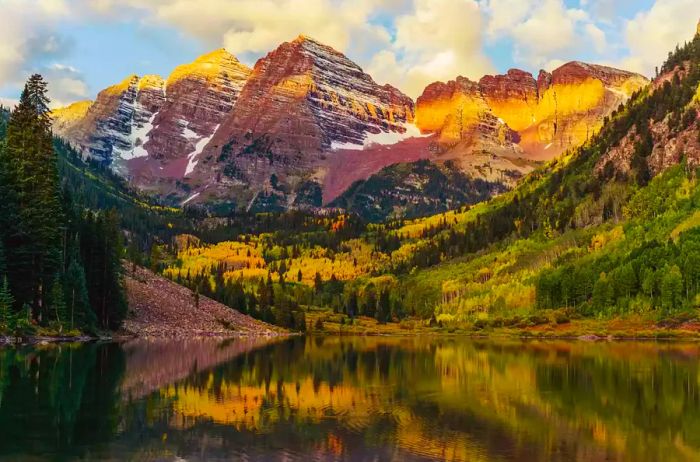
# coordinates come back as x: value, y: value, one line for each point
x: 335, y: 398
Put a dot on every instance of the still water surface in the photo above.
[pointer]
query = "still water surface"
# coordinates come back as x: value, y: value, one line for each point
x: 378, y: 399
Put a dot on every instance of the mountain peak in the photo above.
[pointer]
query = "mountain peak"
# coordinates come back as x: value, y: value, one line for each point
x: 209, y: 66
x: 122, y: 86
x: 215, y: 56
x: 151, y: 81
x: 303, y: 38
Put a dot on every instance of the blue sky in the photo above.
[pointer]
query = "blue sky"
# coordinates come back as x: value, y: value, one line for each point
x: 83, y: 46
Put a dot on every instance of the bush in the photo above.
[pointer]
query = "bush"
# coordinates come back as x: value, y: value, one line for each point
x: 537, y: 320
x: 498, y: 322
x: 561, y: 317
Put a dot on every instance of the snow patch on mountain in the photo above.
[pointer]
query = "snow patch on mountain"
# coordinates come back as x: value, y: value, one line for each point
x: 139, y: 137
x: 382, y: 138
x: 192, y: 160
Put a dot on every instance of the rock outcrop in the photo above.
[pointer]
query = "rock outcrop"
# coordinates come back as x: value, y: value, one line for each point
x: 114, y: 128
x: 548, y: 115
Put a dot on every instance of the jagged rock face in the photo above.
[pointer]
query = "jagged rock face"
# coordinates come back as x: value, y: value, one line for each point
x: 66, y: 119
x: 670, y: 145
x: 306, y: 122
x: 199, y: 96
x: 115, y: 126
x: 551, y: 114
x: 512, y: 97
x: 302, y: 100
x: 310, y: 96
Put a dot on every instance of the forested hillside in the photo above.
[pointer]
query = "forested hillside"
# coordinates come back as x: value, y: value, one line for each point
x: 60, y: 269
x: 606, y: 230
x: 417, y: 189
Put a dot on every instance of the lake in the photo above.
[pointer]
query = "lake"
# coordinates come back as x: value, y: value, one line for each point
x: 335, y: 398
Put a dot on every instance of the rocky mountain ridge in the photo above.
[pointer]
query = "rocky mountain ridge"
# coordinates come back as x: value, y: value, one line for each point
x: 306, y: 122
x: 534, y: 118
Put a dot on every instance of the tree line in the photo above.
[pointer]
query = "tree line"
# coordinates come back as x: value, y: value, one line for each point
x: 60, y: 263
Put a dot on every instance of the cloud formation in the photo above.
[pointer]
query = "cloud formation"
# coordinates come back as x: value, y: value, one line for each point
x: 408, y: 43
x: 28, y: 37
x: 651, y: 34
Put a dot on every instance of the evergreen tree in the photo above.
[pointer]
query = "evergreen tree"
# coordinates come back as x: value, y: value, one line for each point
x: 78, y: 303
x: 134, y: 254
x: 351, y: 306
x: 33, y: 237
x: 57, y: 304
x: 370, y: 305
x: 6, y: 302
x: 318, y: 282
x: 384, y: 307
x: 155, y: 258
x: 671, y: 288
x: 3, y: 266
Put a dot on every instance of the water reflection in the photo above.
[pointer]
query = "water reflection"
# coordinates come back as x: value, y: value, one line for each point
x: 351, y: 399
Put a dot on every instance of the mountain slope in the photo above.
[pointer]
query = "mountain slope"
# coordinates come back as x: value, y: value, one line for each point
x: 302, y: 100
x: 610, y: 230
x: 414, y: 189
x: 161, y: 308
x: 308, y: 119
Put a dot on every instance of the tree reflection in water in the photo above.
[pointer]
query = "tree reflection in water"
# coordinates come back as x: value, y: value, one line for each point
x: 334, y: 398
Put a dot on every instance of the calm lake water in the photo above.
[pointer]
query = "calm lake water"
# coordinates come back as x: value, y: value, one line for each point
x: 378, y: 399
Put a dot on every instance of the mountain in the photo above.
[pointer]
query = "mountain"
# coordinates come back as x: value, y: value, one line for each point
x: 152, y: 130
x: 302, y: 100
x: 112, y: 128
x: 306, y: 123
x: 518, y: 115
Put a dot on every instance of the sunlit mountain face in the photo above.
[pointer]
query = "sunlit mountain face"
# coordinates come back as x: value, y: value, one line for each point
x: 353, y: 398
x: 306, y: 122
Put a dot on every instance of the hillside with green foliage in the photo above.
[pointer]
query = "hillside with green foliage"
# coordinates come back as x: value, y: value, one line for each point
x: 606, y: 231
x: 416, y: 189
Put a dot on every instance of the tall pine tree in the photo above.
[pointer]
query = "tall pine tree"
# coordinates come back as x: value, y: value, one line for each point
x: 32, y: 234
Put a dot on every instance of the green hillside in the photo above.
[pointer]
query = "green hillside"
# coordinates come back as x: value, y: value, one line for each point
x: 605, y: 232
x: 414, y: 189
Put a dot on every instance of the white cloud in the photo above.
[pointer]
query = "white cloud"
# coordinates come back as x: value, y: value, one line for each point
x: 28, y: 35
x: 66, y: 84
x: 651, y: 34
x: 408, y: 43
x: 503, y: 15
x: 551, y: 31
x: 434, y: 40
x: 254, y: 27
x: 597, y: 36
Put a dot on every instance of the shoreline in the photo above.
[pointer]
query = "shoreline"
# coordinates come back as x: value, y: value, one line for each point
x: 123, y: 337
x: 665, y: 336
